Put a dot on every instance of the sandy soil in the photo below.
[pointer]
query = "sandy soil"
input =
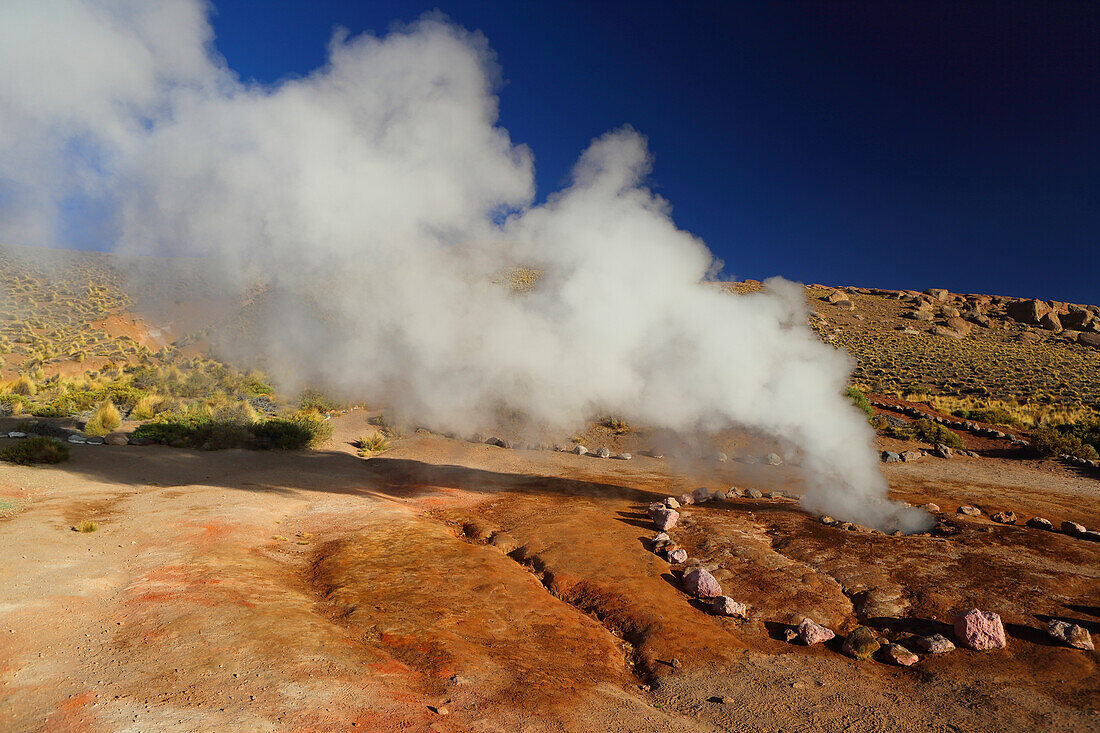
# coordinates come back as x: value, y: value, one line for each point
x: 449, y: 586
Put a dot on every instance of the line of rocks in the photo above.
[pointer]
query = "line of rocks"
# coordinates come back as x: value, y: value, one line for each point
x: 771, y: 459
x: 116, y: 438
x: 973, y: 628
x: 952, y: 423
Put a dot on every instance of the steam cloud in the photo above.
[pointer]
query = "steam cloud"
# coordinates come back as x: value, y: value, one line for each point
x: 376, y: 199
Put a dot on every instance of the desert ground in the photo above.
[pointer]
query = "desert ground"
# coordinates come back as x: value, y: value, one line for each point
x: 452, y: 586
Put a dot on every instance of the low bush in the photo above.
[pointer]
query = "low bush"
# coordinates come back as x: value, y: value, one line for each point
x: 855, y: 394
x: 927, y: 431
x: 38, y: 449
x: 1081, y: 440
x: 197, y: 430
x: 105, y: 419
x: 375, y: 443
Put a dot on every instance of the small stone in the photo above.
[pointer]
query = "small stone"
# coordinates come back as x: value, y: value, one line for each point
x: 622, y: 456
x: 773, y: 459
x: 789, y: 634
x: 861, y: 643
x: 665, y: 519
x: 94, y: 440
x: 733, y: 491
x: 17, y: 434
x: 678, y: 556
x: 77, y: 439
x: 970, y: 511
x: 660, y: 537
x: 899, y: 655
x: 701, y: 584
x: 910, y: 455
x: 671, y: 502
x: 116, y: 438
x: 701, y: 495
x: 718, y: 495
x: 942, y: 451
x: 980, y: 630
x: 930, y: 507
x: 1005, y: 517
x: 754, y: 494
x: 1039, y: 523
x: 889, y: 456
x: 1072, y: 634
x: 826, y: 519
x: 935, y: 644
x: 726, y: 606
x: 686, y: 499
x: 812, y: 633
x: 676, y: 663
x: 655, y: 506
x: 580, y: 450
x: 1072, y: 527
x: 775, y: 495
x: 603, y: 453
x: 721, y: 457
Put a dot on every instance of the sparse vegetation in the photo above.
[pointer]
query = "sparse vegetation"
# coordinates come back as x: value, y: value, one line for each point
x: 374, y: 443
x: 198, y: 429
x: 1081, y: 440
x: 105, y: 419
x: 855, y: 394
x: 37, y: 449
x: 928, y: 432
x: 85, y: 526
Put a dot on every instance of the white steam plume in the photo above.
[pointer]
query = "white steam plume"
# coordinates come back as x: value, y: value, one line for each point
x: 376, y: 199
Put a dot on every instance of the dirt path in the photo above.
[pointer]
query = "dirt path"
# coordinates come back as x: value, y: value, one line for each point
x: 455, y: 587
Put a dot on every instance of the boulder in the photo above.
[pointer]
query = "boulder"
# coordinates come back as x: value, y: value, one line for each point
x: 950, y: 312
x: 946, y: 332
x: 942, y: 451
x: 1089, y: 339
x: 1005, y: 517
x: 836, y: 296
x: 665, y: 519
x: 920, y: 315
x: 812, y: 633
x: 980, y: 630
x: 935, y: 644
x: 970, y: 511
x: 937, y: 293
x: 861, y: 643
x: 907, y: 456
x: 1039, y: 523
x: 958, y: 324
x: 899, y: 655
x: 1072, y: 527
x: 1072, y: 634
x: 701, y: 584
x: 1078, y: 319
x: 1050, y: 322
x: 676, y: 555
x: 726, y: 606
x: 1027, y: 311
x: 889, y: 457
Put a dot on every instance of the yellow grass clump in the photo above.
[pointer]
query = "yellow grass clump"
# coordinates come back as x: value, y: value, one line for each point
x: 105, y: 419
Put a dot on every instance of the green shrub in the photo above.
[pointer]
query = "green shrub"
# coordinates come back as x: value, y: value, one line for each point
x: 60, y: 407
x: 105, y: 419
x: 927, y: 431
x: 376, y: 443
x: 855, y: 394
x: 991, y: 415
x: 38, y: 449
x: 1081, y: 440
x: 315, y: 400
x: 282, y: 434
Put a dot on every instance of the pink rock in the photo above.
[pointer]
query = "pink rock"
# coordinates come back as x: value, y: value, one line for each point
x: 701, y: 584
x: 665, y: 519
x: 726, y: 606
x: 655, y: 506
x: 970, y: 511
x: 671, y: 502
x: 685, y: 499
x: 930, y: 507
x: 677, y: 557
x: 701, y: 494
x: 1072, y: 634
x: 812, y: 633
x: 899, y: 655
x: 980, y: 630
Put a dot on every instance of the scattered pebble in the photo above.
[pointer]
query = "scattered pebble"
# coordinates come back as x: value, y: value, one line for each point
x: 664, y: 519
x: 1072, y: 527
x: 812, y: 633
x: 861, y: 643
x: 970, y: 511
x: 980, y: 630
x: 726, y: 606
x: 1072, y: 634
x: 701, y: 584
x: 899, y: 655
x: 935, y: 644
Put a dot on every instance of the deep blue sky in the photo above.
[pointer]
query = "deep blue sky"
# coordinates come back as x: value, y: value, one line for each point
x: 891, y: 144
